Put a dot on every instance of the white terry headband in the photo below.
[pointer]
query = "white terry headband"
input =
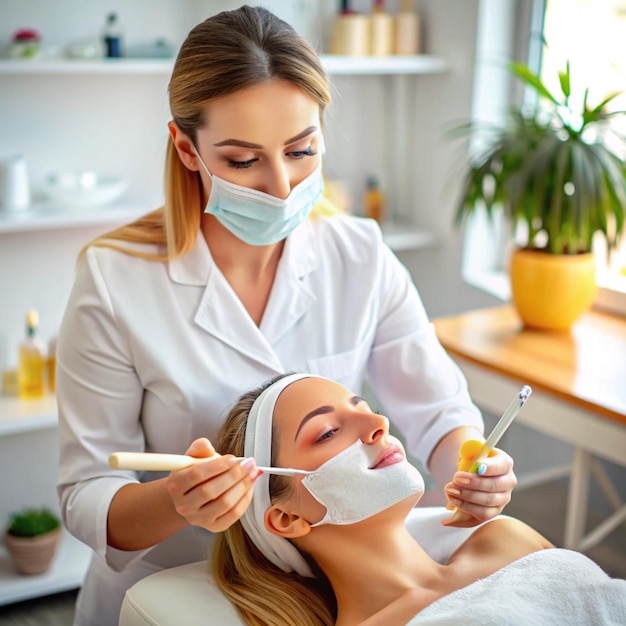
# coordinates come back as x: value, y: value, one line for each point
x: 280, y: 551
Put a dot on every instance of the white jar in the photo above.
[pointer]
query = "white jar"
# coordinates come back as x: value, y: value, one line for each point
x: 14, y: 184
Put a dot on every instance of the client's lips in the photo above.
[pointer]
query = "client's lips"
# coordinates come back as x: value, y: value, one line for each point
x: 391, y: 455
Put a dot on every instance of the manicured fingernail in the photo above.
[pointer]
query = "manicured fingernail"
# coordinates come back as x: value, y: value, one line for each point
x: 453, y: 492
x: 247, y: 463
x: 482, y: 468
x: 462, y: 480
x: 255, y: 473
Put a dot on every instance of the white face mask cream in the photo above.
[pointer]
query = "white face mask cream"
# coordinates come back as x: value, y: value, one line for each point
x: 352, y: 492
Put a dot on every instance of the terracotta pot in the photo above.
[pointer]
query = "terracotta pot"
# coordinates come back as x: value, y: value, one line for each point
x: 551, y: 291
x: 33, y: 555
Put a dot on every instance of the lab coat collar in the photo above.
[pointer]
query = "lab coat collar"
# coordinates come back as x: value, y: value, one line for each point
x: 194, y: 267
x: 291, y: 295
x: 299, y: 254
x: 290, y: 299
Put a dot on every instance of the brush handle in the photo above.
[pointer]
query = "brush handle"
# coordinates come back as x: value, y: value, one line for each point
x: 496, y: 434
x: 505, y: 421
x: 151, y: 461
x: 159, y: 462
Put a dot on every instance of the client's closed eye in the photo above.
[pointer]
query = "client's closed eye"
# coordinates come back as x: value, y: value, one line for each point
x: 327, y: 435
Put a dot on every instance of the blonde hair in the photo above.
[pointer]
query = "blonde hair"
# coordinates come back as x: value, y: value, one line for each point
x: 227, y: 52
x: 263, y: 594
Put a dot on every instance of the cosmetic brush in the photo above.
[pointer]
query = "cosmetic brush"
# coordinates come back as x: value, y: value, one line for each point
x: 159, y: 462
x: 472, y: 464
x: 503, y: 423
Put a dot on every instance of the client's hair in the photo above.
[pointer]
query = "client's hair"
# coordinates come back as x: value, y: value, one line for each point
x: 262, y: 593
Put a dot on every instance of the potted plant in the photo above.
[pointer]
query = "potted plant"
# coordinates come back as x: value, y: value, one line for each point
x: 559, y: 172
x: 31, y: 539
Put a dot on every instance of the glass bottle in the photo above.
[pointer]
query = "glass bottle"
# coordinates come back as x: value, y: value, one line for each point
x: 32, y: 361
x: 52, y: 364
x: 374, y: 201
x: 112, y: 37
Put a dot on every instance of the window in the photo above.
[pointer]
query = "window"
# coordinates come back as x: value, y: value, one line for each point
x: 591, y: 34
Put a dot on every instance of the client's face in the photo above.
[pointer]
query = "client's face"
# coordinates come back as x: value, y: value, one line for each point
x: 315, y: 420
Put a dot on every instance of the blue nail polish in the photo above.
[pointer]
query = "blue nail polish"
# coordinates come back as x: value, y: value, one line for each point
x: 482, y: 468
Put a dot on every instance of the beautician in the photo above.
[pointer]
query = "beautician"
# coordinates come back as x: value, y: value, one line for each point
x: 241, y: 275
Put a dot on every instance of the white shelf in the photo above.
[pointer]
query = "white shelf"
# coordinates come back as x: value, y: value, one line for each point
x: 399, y: 237
x: 45, y: 217
x: 396, y: 64
x: 334, y: 64
x: 402, y: 237
x: 20, y: 416
x: 101, y: 66
x: 67, y: 572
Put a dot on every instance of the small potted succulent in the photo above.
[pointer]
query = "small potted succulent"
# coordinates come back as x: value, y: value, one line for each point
x: 31, y: 539
x: 558, y: 170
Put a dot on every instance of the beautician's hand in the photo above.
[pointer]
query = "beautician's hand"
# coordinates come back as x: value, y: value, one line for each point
x: 213, y: 494
x: 480, y: 497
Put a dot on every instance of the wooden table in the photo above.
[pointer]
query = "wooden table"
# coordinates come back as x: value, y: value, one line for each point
x: 579, y: 393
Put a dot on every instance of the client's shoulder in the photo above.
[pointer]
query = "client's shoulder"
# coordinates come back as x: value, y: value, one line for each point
x: 504, y: 536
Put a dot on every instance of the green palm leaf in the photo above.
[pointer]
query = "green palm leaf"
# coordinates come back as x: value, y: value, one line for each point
x: 558, y: 180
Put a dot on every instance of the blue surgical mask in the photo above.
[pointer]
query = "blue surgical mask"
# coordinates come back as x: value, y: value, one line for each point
x: 256, y: 217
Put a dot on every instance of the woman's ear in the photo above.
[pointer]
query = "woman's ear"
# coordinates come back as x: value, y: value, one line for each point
x: 285, y: 524
x: 184, y: 147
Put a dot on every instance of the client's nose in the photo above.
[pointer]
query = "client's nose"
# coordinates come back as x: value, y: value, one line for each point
x: 377, y: 426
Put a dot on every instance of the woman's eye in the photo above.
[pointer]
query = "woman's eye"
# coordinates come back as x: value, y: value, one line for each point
x: 299, y: 154
x: 327, y: 435
x: 241, y: 164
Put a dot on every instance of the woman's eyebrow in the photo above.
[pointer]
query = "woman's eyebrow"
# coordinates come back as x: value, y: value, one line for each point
x: 256, y: 146
x: 319, y: 411
x: 239, y: 143
x: 304, y: 133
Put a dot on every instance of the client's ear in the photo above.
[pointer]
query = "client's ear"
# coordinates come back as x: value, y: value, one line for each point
x: 285, y: 524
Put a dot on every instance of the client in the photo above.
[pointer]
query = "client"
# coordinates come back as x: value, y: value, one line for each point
x: 331, y: 547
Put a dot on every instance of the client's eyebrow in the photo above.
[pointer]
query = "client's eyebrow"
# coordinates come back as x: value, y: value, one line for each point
x: 320, y: 410
x: 256, y: 146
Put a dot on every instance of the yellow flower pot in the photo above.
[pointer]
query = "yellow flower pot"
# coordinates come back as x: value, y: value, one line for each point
x: 551, y: 291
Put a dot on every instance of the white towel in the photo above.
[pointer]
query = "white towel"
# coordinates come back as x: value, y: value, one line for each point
x: 545, y: 588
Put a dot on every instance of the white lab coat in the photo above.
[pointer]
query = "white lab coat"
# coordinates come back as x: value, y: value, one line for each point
x: 151, y: 355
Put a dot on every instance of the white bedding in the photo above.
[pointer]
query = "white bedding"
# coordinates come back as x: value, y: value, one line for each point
x: 545, y: 588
